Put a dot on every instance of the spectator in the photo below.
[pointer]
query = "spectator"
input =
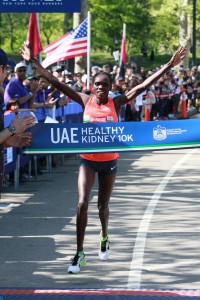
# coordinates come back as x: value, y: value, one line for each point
x: 10, y: 74
x: 78, y: 86
x: 13, y: 135
x: 114, y: 72
x: 17, y: 90
x: 69, y: 82
x: 66, y: 74
x: 128, y: 74
x: 198, y: 100
x: 95, y: 70
x: 12, y: 106
x: 106, y: 68
x: 43, y: 100
x: 139, y: 103
x: 143, y: 73
x: 165, y: 105
x: 176, y: 90
x: 60, y: 100
x: 56, y: 71
x: 24, y: 95
x: 198, y: 75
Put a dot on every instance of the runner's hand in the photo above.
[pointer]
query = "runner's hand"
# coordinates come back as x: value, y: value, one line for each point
x: 26, y: 52
x: 178, y: 56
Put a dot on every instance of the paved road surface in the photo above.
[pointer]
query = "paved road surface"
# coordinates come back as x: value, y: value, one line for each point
x: 154, y: 227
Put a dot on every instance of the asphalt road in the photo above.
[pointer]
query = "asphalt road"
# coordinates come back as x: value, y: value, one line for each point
x: 154, y: 227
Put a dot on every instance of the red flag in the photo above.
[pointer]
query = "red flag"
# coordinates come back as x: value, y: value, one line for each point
x: 33, y: 35
x: 72, y: 44
x: 123, y: 54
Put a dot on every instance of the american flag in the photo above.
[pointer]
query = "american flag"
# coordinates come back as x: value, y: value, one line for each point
x: 70, y: 45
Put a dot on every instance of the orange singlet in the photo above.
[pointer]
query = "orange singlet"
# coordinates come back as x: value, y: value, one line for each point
x: 94, y: 113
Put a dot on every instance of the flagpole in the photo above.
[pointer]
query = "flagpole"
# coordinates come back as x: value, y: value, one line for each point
x: 124, y: 39
x: 38, y: 26
x: 88, y: 50
x: 123, y: 53
x: 124, y: 30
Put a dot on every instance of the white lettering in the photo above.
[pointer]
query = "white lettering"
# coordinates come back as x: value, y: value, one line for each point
x: 84, y: 130
x: 65, y: 136
x: 124, y: 138
x: 84, y: 139
x: 130, y: 137
x: 74, y: 135
x: 97, y: 131
x: 102, y: 130
x: 58, y: 136
x: 90, y: 130
x: 121, y: 129
x: 97, y: 139
x: 112, y: 137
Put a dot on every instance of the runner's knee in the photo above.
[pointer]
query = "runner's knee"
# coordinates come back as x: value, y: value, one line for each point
x: 102, y: 207
x: 82, y: 206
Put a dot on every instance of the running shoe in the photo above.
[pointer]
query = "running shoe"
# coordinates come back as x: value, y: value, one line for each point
x: 77, y: 262
x: 104, y: 251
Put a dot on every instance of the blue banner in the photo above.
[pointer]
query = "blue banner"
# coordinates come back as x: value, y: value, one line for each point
x: 22, y: 6
x: 9, y: 160
x: 111, y: 137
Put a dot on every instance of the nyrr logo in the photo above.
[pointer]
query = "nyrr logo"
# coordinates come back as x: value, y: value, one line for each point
x: 159, y: 133
x: 40, y: 6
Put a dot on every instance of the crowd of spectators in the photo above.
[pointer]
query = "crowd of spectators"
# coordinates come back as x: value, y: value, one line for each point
x: 164, y: 97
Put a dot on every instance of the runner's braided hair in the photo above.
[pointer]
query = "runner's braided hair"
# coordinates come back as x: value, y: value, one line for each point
x: 104, y: 74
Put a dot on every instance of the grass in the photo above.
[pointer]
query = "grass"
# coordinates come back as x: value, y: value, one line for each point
x: 100, y: 58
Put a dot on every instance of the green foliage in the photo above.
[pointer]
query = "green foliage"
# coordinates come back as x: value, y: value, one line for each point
x: 12, y: 34
x: 165, y: 30
x: 51, y: 27
x: 155, y: 22
x: 15, y: 29
x: 107, y: 24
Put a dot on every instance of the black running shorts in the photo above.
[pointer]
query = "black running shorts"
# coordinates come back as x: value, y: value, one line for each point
x: 101, y: 167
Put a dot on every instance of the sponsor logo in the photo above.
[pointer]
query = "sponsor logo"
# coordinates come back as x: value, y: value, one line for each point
x: 159, y: 133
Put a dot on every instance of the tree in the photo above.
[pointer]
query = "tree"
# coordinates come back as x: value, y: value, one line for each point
x: 185, y: 34
x: 108, y: 17
x: 51, y: 27
x: 163, y: 25
x: 169, y: 34
x: 80, y: 62
x: 12, y: 34
x: 67, y: 23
